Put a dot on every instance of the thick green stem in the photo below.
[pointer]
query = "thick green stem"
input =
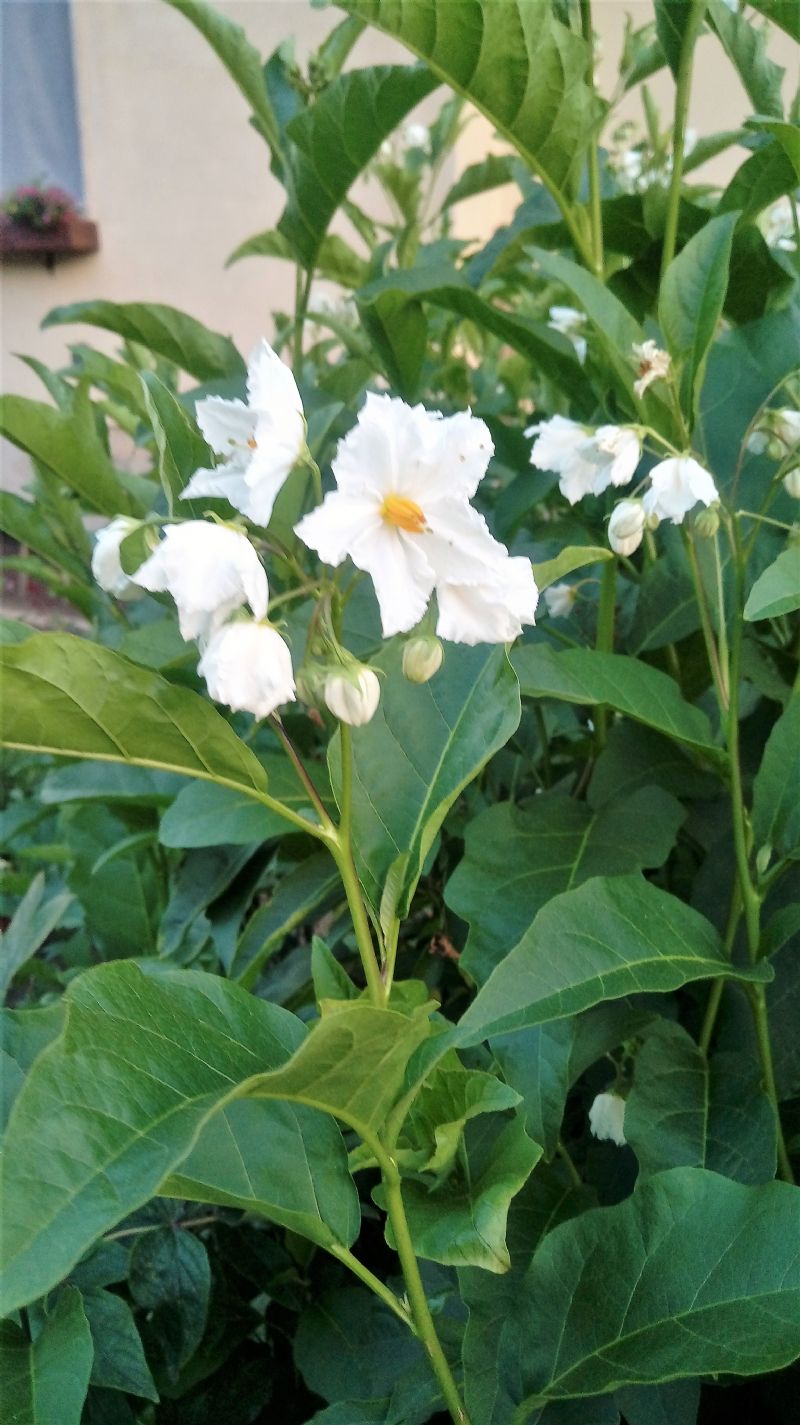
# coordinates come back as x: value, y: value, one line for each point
x: 758, y: 1001
x: 595, y: 206
x: 420, y: 1310
x: 604, y: 640
x: 342, y: 851
x: 683, y: 82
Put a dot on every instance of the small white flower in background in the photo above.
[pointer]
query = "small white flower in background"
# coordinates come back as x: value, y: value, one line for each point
x: 586, y: 461
x: 569, y: 322
x: 560, y: 600
x: 401, y: 511
x: 422, y: 658
x: 248, y: 667
x: 106, y: 566
x: 261, y: 441
x: 607, y: 1118
x: 210, y: 570
x: 417, y: 136
x: 757, y: 442
x: 626, y: 527
x: 339, y: 305
x: 786, y: 425
x: 791, y: 483
x: 779, y: 226
x: 676, y: 485
x: 353, y: 695
x: 652, y: 365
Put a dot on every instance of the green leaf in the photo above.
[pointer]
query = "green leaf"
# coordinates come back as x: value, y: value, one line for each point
x: 109, y: 782
x: 685, y: 1110
x: 118, y: 1107
x: 32, y: 923
x: 119, y: 1360
x: 777, y: 590
x: 240, y: 58
x: 164, y: 330
x: 67, y: 696
x: 671, y: 21
x: 760, y: 181
x: 331, y: 980
x: 610, y: 937
x: 423, y: 746
x: 181, y: 448
x: 462, y: 1220
x: 116, y: 882
x: 781, y: 12
x: 24, y: 1033
x: 517, y: 858
x: 494, y: 171
x: 336, y: 260
x: 787, y: 135
x: 298, y: 895
x: 204, y: 814
x: 169, y: 1274
x: 689, y: 1277
x: 45, y: 1382
x: 746, y: 46
x: 25, y: 522
x: 666, y: 608
x: 691, y: 302
x: 674, y: 1403
x: 776, y: 791
x: 328, y: 145
x: 574, y: 556
x: 450, y: 1097
x: 514, y: 61
x: 536, y: 1062
x: 67, y: 442
x: 643, y: 693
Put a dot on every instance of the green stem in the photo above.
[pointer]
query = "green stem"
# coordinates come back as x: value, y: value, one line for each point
x: 374, y: 1283
x: 724, y: 655
x: 708, y: 629
x: 604, y: 640
x: 342, y: 851
x: 712, y: 1009
x: 683, y: 82
x: 741, y: 837
x: 302, y: 291
x: 420, y: 1310
x: 758, y: 1001
x: 595, y: 206
x: 303, y: 776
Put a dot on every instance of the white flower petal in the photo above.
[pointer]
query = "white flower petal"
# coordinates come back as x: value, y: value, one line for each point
x: 226, y: 425
x: 492, y: 612
x: 210, y: 571
x: 248, y: 667
x: 334, y: 526
x: 676, y: 485
x: 401, y: 574
x: 226, y: 482
x: 459, y: 545
x: 270, y: 383
x: 106, y: 566
x: 607, y: 1118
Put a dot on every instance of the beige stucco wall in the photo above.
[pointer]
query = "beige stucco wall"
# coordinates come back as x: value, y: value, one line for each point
x: 176, y: 179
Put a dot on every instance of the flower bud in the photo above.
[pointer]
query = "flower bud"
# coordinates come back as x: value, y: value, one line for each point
x: 791, y: 483
x: 707, y: 522
x: 310, y: 683
x: 626, y: 526
x: 763, y: 859
x: 757, y: 442
x: 775, y: 449
x: 607, y: 1118
x: 422, y: 657
x: 352, y: 694
x: 560, y: 600
x: 248, y: 666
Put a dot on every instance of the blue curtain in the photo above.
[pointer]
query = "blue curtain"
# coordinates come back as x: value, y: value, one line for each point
x: 39, y: 138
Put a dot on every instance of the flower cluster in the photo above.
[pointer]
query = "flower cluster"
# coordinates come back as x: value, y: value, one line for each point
x: 400, y: 512
x: 41, y: 209
x: 778, y: 435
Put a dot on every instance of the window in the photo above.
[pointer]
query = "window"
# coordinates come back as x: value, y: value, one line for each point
x: 40, y: 136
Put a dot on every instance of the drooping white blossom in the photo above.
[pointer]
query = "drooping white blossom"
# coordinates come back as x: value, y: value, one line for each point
x: 652, y: 364
x: 570, y: 323
x: 676, y: 486
x: 248, y: 666
x: 560, y: 600
x: 210, y: 570
x: 422, y: 658
x: 791, y: 483
x: 106, y: 566
x: 626, y: 527
x: 353, y: 695
x: 586, y: 461
x: 607, y: 1118
x: 260, y: 441
x: 401, y: 512
x: 786, y: 425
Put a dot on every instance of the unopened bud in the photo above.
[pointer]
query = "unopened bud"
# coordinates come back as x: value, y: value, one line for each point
x: 422, y: 657
x: 626, y: 526
x: 763, y: 859
x: 775, y: 449
x: 791, y: 483
x: 310, y: 684
x: 560, y: 600
x: 707, y: 522
x: 352, y: 694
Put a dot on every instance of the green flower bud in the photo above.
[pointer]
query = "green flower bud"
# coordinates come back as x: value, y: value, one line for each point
x: 422, y: 657
x: 707, y: 522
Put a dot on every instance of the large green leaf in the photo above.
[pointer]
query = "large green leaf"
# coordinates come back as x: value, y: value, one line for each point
x: 777, y: 590
x: 689, y: 1276
x: 685, y: 1110
x: 67, y: 696
x: 512, y: 59
x: 583, y: 676
x: 610, y: 937
x: 776, y: 792
x: 119, y: 1361
x: 691, y: 302
x: 119, y: 1103
x: 164, y: 330
x: 67, y: 442
x: 746, y: 46
x: 329, y: 143
x: 424, y: 745
x: 782, y: 12
x: 240, y: 58
x: 518, y: 858
x: 45, y: 1381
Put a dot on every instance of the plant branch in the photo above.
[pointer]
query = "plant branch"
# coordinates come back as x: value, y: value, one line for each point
x: 758, y: 1001
x: 302, y: 773
x: 342, y: 851
x: 374, y: 1283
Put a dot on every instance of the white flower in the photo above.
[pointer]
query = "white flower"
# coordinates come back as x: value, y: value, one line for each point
x: 248, y: 666
x: 560, y: 600
x: 652, y: 365
x: 106, y: 566
x: 607, y: 1118
x: 401, y: 512
x: 676, y: 485
x: 779, y: 226
x: 586, y: 461
x: 791, y: 483
x: 757, y: 442
x: 353, y: 695
x: 786, y: 425
x: 626, y: 527
x: 422, y: 658
x: 210, y: 570
x: 261, y: 441
x: 417, y: 136
x: 568, y: 321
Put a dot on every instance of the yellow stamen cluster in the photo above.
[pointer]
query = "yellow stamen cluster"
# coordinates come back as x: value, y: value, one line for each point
x: 403, y: 514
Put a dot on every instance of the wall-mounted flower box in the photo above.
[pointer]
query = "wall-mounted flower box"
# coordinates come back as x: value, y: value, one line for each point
x: 72, y: 238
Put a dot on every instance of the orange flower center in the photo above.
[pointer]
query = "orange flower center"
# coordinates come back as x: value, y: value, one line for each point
x: 253, y: 443
x: 403, y: 513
